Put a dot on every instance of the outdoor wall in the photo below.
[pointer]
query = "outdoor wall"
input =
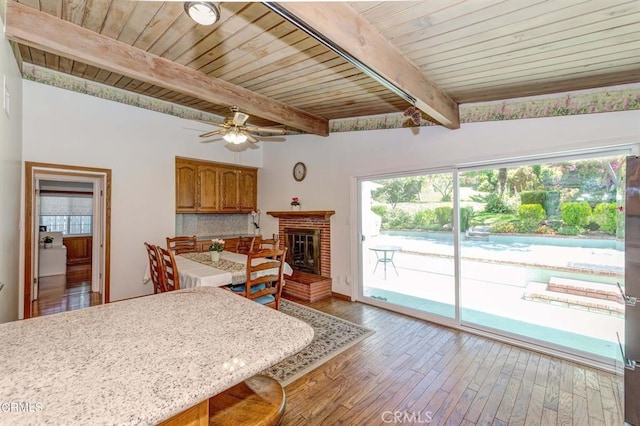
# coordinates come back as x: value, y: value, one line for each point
x: 334, y: 162
x: 139, y: 146
x: 10, y: 177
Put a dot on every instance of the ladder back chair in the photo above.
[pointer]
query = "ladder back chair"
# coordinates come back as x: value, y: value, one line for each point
x: 269, y: 243
x: 245, y: 244
x: 155, y: 268
x: 265, y: 277
x: 182, y: 244
x: 169, y: 269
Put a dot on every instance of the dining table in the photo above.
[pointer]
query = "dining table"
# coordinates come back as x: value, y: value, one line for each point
x: 198, y: 270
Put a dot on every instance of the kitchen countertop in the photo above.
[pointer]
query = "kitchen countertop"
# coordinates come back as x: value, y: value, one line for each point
x: 138, y: 361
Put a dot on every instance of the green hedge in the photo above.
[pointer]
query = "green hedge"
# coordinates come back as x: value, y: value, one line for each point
x: 605, y: 215
x: 531, y: 212
x: 533, y: 197
x: 466, y: 213
x: 576, y: 214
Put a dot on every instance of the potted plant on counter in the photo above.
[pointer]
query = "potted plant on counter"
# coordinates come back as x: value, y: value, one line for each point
x: 216, y: 247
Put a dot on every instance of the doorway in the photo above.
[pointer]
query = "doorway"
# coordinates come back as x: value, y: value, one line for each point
x: 70, y: 206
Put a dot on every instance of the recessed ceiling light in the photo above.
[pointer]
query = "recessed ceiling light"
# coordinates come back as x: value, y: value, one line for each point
x: 204, y: 13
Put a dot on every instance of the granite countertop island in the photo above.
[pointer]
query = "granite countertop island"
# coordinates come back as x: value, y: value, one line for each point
x: 138, y: 361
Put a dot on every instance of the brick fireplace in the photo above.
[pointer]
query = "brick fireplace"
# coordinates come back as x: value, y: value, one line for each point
x: 304, y: 284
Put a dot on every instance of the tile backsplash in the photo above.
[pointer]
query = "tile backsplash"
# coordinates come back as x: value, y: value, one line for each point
x: 214, y: 224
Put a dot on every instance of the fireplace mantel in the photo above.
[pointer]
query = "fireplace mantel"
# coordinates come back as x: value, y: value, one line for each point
x: 311, y: 214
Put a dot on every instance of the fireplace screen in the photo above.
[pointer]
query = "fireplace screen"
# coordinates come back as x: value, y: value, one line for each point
x: 303, y: 252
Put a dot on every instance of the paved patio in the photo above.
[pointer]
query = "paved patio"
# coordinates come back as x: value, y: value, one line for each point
x: 491, y: 293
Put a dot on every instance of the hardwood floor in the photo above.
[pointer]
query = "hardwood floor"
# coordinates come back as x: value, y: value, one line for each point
x: 415, y: 372
x: 60, y: 293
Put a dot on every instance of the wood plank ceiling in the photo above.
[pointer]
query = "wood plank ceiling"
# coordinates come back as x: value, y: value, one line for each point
x: 478, y: 50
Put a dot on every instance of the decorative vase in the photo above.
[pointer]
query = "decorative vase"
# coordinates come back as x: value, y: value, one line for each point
x: 295, y: 208
x: 215, y: 256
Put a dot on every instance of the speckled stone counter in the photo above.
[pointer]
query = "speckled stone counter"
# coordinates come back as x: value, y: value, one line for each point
x: 138, y: 361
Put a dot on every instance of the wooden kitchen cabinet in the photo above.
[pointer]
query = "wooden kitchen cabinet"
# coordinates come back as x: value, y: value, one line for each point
x: 238, y: 189
x: 79, y: 249
x: 207, y: 187
x: 186, y: 187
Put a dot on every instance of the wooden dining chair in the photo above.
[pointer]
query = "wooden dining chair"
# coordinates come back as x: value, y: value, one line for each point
x: 268, y: 243
x: 168, y: 269
x: 182, y: 244
x: 155, y: 268
x: 245, y: 244
x: 265, y: 277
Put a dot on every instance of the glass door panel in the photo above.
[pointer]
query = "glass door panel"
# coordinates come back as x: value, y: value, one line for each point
x: 408, y: 246
x: 543, y: 252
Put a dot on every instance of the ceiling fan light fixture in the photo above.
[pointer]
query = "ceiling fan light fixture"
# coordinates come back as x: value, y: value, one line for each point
x: 235, y: 137
x: 203, y: 13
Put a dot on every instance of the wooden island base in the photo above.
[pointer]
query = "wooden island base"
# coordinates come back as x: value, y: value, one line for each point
x: 259, y: 400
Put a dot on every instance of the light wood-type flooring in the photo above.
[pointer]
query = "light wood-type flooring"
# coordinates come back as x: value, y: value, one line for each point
x: 60, y: 293
x: 415, y: 372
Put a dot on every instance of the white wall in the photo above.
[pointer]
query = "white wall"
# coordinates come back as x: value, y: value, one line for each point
x: 10, y: 178
x: 334, y: 162
x: 139, y: 146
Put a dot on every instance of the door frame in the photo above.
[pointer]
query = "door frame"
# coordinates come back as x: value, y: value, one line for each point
x: 102, y: 247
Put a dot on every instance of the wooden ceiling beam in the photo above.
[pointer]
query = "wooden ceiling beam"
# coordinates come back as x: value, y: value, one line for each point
x: 341, y: 25
x: 37, y: 29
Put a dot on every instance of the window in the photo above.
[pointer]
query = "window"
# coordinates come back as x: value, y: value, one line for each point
x: 69, y: 214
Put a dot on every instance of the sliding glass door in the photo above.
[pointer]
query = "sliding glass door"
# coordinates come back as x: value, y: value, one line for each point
x: 539, y: 250
x: 408, y: 244
x: 545, y: 251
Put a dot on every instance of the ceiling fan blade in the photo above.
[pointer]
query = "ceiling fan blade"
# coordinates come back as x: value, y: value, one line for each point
x: 272, y: 130
x: 239, y: 118
x: 250, y: 137
x: 272, y: 139
x: 215, y: 132
x: 211, y: 140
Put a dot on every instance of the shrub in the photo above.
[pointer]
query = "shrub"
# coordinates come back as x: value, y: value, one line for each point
x: 544, y: 229
x: 495, y: 204
x: 399, y: 219
x: 466, y: 213
x: 444, y: 215
x: 576, y: 213
x: 605, y: 215
x: 503, y: 228
x: 531, y: 212
x: 533, y: 197
x: 424, y: 219
x: 569, y: 230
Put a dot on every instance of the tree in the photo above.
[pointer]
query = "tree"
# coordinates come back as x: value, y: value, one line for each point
x: 442, y: 184
x: 398, y: 190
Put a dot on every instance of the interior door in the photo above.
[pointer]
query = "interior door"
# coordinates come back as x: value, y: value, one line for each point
x: 36, y: 241
x: 632, y: 291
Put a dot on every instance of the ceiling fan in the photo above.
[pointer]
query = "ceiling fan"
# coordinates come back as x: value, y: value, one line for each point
x: 234, y: 131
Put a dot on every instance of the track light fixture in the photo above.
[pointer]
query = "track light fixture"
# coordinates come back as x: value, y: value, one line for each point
x: 202, y: 12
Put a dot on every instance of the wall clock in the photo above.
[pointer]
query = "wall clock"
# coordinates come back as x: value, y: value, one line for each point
x: 299, y: 171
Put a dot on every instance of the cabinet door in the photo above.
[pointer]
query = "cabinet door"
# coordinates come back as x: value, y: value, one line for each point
x: 208, y: 189
x: 228, y: 190
x: 248, y: 190
x: 186, y: 187
x: 79, y: 249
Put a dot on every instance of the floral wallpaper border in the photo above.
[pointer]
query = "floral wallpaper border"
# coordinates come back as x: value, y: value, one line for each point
x: 591, y: 101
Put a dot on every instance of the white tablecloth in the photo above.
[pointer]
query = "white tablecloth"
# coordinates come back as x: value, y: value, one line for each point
x: 196, y: 274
